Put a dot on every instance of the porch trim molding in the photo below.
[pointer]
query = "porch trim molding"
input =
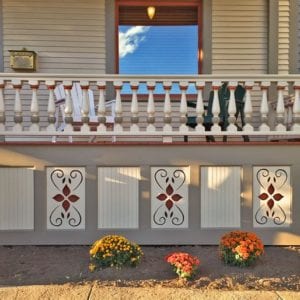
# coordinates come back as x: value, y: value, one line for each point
x: 273, y: 37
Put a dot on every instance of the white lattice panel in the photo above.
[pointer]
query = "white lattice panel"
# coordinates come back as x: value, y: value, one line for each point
x: 220, y: 197
x: 169, y: 197
x: 272, y: 196
x: 118, y: 197
x: 16, y: 199
x: 65, y: 198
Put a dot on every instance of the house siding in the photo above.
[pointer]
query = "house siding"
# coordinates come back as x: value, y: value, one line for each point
x: 283, y: 36
x: 239, y: 36
x: 68, y: 36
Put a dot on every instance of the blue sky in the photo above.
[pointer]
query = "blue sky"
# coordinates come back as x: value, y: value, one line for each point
x: 158, y: 50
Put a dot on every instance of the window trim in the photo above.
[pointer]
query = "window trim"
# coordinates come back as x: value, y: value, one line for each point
x: 195, y: 3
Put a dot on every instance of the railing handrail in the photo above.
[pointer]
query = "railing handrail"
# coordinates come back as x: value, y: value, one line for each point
x: 157, y: 78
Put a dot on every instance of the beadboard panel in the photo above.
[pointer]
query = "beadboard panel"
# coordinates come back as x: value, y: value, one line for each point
x: 220, y: 197
x: 16, y: 199
x: 68, y: 36
x: 65, y: 198
x: 239, y: 36
x: 118, y: 197
x: 272, y: 196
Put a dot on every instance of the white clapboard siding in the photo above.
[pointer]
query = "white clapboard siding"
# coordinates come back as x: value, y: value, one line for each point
x: 220, y: 197
x: 239, y: 36
x: 169, y: 197
x: 68, y: 36
x: 283, y: 36
x: 272, y: 196
x: 65, y: 198
x: 16, y: 199
x: 118, y: 197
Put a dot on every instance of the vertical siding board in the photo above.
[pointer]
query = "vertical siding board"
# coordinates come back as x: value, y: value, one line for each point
x: 16, y: 199
x: 118, y: 197
x: 220, y: 197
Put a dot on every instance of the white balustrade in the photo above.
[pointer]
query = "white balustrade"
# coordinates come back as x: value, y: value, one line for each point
x: 134, y: 107
x: 2, y: 107
x: 51, y: 106
x: 151, y: 107
x: 183, y: 106
x: 232, y: 107
x: 145, y: 120
x: 200, y: 107
x: 280, y: 109
x: 101, y: 107
x: 18, y: 118
x: 34, y: 107
x: 264, y: 108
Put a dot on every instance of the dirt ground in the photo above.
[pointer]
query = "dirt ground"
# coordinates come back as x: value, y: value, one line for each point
x: 278, y: 269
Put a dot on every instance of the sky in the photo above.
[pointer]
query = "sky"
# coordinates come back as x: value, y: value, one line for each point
x: 158, y: 50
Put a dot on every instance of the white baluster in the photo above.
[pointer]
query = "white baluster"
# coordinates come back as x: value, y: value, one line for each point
x: 68, y: 107
x: 151, y: 107
x: 232, y: 107
x: 51, y: 106
x: 85, y: 108
x: 216, y: 107
x: 2, y: 106
x: 167, y: 107
x: 34, y: 108
x: 296, y: 108
x: 200, y: 106
x: 264, y: 108
x: 18, y: 117
x: 248, y: 107
x: 118, y: 108
x: 183, y: 106
x: 280, y: 109
x: 101, y: 107
x: 134, y: 107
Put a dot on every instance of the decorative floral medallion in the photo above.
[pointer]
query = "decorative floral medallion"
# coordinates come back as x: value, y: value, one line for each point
x: 65, y: 198
x: 272, y: 196
x: 169, y: 202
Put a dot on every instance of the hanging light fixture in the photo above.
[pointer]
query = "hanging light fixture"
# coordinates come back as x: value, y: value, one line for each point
x: 150, y: 12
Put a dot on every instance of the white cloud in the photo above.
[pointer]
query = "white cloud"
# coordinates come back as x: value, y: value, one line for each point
x: 131, y: 39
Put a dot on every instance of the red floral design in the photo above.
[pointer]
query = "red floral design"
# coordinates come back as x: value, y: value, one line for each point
x: 270, y: 196
x: 66, y: 198
x: 169, y: 197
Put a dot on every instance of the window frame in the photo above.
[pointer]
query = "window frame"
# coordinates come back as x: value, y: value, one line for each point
x: 188, y: 3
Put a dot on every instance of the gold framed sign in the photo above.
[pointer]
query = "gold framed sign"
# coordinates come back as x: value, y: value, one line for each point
x: 22, y: 60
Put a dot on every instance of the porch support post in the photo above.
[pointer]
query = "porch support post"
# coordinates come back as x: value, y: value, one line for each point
x: 273, y: 37
x: 51, y: 106
x: 2, y: 106
x: 183, y: 106
x: 1, y: 39
x: 34, y: 108
x: 151, y: 107
x: 18, y: 117
x: 101, y: 106
x: 134, y: 107
x: 280, y: 109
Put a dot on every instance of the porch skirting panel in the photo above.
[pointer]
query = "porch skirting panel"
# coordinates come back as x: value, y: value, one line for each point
x: 169, y: 194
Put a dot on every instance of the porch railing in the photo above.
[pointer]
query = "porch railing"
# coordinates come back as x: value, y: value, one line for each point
x: 275, y: 116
